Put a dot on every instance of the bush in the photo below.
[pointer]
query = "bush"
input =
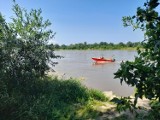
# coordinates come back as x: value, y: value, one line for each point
x: 98, y: 95
x: 47, y: 99
x: 25, y: 57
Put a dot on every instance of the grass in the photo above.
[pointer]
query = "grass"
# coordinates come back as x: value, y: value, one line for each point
x: 50, y: 99
x: 57, y: 99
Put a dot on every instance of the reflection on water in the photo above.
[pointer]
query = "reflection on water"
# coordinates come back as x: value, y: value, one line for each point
x: 95, y: 75
x: 101, y: 63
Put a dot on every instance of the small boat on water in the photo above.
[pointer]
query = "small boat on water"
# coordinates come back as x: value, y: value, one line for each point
x: 102, y: 60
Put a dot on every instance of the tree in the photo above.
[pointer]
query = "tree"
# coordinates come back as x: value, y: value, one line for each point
x: 144, y: 71
x: 121, y: 44
x: 24, y: 48
x: 129, y: 44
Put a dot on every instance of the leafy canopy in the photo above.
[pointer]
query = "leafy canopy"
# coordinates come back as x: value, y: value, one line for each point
x: 25, y: 52
x: 144, y: 71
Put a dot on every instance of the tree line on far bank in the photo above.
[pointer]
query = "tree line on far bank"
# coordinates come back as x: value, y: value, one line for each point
x: 100, y: 45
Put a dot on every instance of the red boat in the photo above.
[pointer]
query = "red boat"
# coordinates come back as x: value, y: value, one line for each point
x: 102, y: 59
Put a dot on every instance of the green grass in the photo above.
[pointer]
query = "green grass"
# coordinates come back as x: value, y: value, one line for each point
x: 50, y: 99
x: 54, y: 99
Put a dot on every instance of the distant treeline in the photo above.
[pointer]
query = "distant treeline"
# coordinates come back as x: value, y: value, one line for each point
x: 101, y: 45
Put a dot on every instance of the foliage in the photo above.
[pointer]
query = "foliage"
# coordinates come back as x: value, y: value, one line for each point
x: 154, y: 113
x: 123, y: 104
x: 51, y: 99
x: 26, y: 92
x: 144, y: 71
x: 101, y: 45
x: 98, y: 95
x: 24, y: 49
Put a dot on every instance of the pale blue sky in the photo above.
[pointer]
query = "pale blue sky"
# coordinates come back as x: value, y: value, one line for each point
x: 90, y: 21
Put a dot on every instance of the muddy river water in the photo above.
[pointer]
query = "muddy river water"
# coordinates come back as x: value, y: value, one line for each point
x: 78, y: 64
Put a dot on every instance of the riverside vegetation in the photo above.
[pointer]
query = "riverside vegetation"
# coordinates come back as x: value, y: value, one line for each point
x: 99, y: 46
x: 144, y: 71
x: 26, y: 90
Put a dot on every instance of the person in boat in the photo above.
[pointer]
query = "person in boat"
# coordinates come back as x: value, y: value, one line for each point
x: 102, y: 57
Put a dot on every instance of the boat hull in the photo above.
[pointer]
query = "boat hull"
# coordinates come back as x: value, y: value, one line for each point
x: 103, y: 60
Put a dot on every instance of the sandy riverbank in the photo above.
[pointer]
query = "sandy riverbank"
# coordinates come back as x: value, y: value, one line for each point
x: 109, y: 109
x: 141, y: 102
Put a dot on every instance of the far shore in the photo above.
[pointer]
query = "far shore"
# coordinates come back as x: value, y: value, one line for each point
x: 126, y: 48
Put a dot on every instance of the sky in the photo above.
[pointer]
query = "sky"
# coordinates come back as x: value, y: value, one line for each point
x: 78, y: 21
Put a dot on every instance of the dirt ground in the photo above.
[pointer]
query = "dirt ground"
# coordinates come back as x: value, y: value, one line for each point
x: 109, y: 110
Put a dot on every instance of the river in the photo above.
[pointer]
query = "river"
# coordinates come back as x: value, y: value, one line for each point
x: 78, y: 64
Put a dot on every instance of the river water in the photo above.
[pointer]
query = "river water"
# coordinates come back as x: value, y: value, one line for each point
x: 78, y: 64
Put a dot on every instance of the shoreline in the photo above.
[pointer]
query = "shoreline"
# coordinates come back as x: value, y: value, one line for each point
x: 132, y: 49
x: 63, y: 76
x: 108, y: 109
x: 110, y: 94
x: 140, y: 102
